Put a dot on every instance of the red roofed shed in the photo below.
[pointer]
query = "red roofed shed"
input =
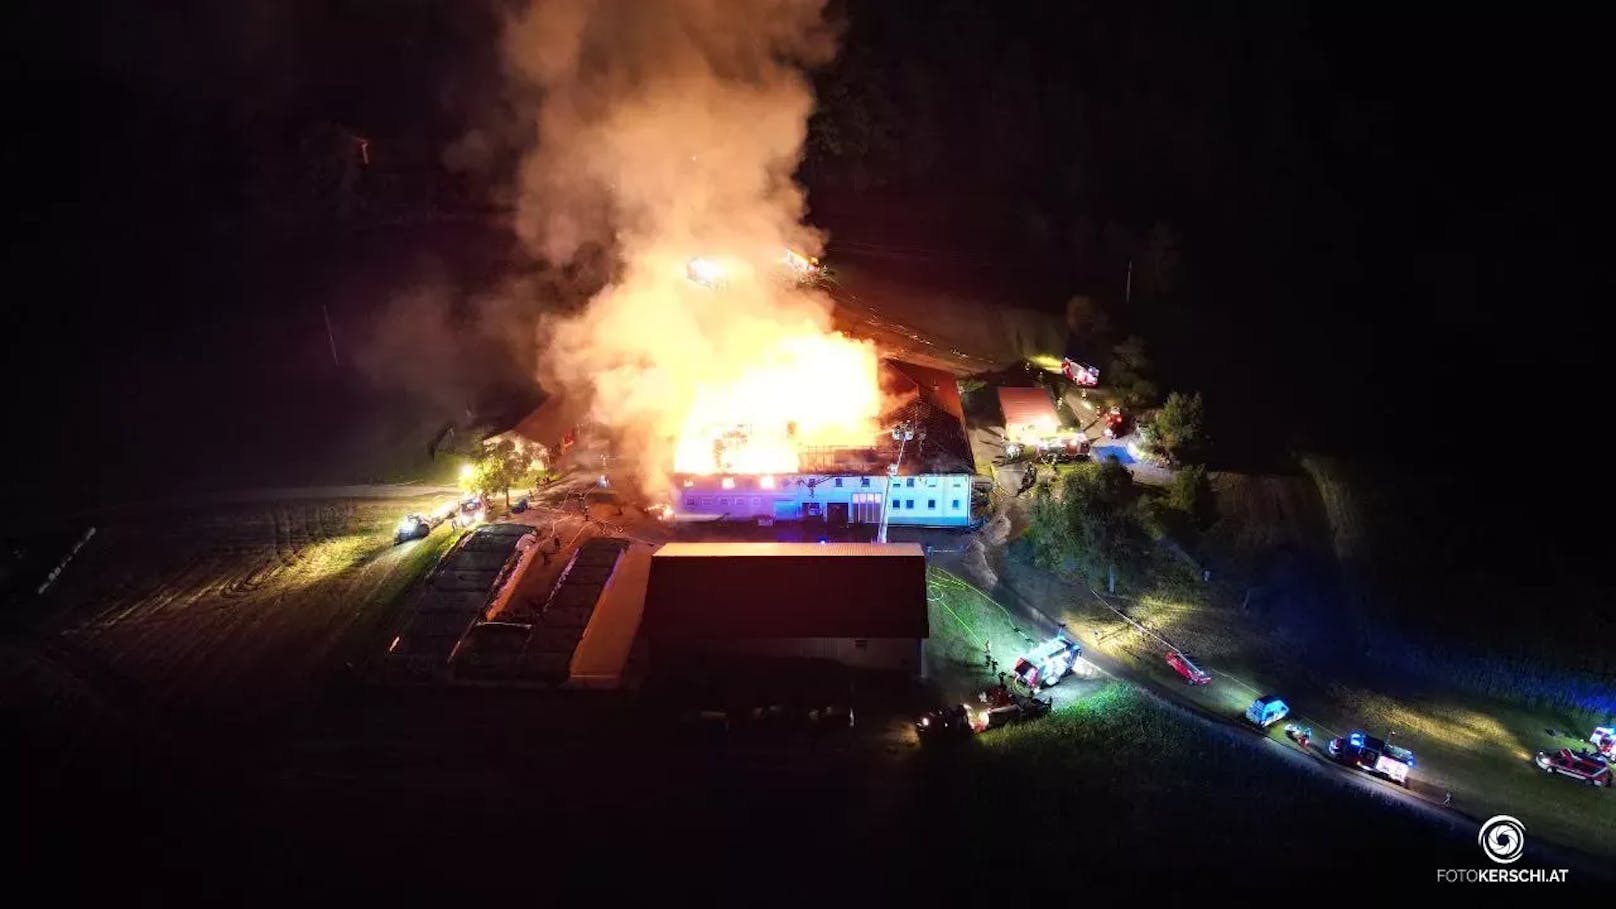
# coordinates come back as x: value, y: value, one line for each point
x: 1028, y: 412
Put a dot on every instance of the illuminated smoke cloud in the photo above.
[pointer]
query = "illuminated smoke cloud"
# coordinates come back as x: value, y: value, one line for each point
x: 670, y: 130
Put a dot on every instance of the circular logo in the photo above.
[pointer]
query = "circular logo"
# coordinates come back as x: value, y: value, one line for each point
x: 1503, y: 838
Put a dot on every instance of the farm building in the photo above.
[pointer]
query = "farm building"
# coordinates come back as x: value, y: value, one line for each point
x: 850, y: 485
x: 859, y: 604
x: 1029, y: 414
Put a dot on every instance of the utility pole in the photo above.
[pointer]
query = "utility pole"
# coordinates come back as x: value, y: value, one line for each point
x: 903, y: 432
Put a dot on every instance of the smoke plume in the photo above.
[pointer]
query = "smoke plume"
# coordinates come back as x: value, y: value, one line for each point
x: 667, y: 130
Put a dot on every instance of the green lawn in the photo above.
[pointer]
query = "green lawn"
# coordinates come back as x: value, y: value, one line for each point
x: 378, y: 610
x: 1481, y: 752
x: 964, y: 622
x: 1119, y: 780
x: 1475, y: 749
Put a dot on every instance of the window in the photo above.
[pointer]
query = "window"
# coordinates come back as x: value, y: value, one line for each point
x: 931, y: 503
x: 706, y: 501
x: 690, y: 503
x: 896, y: 504
x: 955, y: 505
x: 911, y: 483
x: 864, y: 481
x: 838, y: 481
x: 910, y: 504
x: 723, y: 502
x: 861, y: 644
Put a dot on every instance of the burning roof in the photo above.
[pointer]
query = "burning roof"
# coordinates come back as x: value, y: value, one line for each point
x: 927, y: 398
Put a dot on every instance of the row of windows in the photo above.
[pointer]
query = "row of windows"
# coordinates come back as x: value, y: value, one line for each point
x: 909, y: 504
x: 907, y: 482
x: 692, y: 503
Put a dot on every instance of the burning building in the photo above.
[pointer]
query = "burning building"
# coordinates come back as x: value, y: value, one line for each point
x: 669, y: 134
x: 914, y: 462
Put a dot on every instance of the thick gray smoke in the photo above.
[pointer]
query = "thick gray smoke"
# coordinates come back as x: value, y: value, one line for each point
x: 667, y: 130
x: 665, y: 121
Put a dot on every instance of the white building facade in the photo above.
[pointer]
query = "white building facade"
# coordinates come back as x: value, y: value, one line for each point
x: 923, y: 500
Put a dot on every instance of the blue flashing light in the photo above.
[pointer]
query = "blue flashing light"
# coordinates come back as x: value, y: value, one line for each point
x: 1356, y: 739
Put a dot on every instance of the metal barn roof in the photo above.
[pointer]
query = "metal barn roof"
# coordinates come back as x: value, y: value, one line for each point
x: 786, y: 590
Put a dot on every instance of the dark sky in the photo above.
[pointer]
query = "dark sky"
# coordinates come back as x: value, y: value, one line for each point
x: 1384, y: 219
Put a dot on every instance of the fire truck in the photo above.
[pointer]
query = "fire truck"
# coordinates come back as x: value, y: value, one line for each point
x: 1048, y: 663
x: 1373, y: 755
x: 1080, y: 373
x: 1587, y: 767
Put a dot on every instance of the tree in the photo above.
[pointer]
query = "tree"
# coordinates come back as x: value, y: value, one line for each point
x: 1178, y: 431
x: 1129, y: 373
x: 852, y: 134
x: 1092, y: 524
x: 500, y: 467
x: 1050, y: 530
x: 1191, y: 496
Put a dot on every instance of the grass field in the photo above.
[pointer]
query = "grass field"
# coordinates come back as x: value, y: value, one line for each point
x: 965, y: 623
x: 1050, y: 802
x: 238, y: 606
x: 1476, y: 749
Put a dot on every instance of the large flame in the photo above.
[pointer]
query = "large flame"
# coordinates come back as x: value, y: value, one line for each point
x: 810, y: 390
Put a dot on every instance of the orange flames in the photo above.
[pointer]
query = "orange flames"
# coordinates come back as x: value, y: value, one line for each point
x: 805, y: 390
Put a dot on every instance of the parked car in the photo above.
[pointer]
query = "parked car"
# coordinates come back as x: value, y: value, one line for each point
x: 1267, y: 710
x: 1585, y: 766
x: 1184, y: 665
x: 413, y: 527
x: 945, y: 723
x: 472, y: 511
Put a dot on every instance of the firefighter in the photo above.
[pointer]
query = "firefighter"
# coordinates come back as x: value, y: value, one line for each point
x: 1301, y: 739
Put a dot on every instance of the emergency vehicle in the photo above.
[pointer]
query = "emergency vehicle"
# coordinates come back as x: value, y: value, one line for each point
x: 1048, y: 663
x: 1373, y: 756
